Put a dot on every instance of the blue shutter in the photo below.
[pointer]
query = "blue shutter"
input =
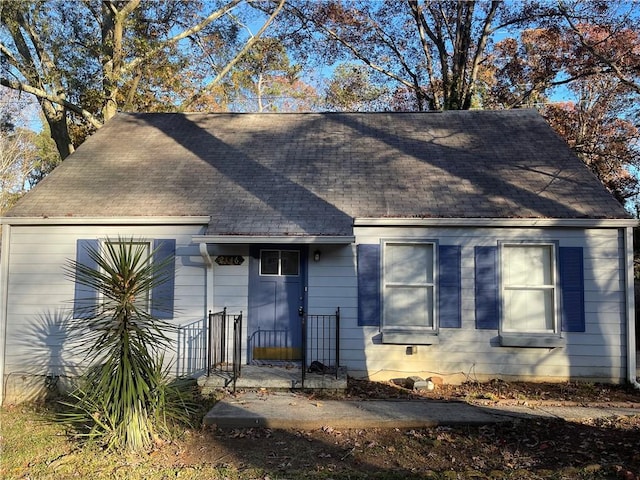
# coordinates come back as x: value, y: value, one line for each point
x: 162, y: 295
x: 572, y: 289
x: 449, y: 286
x: 486, y: 270
x: 369, y: 285
x: 85, y: 297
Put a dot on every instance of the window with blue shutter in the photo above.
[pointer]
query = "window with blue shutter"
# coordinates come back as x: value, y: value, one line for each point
x: 408, y: 286
x: 162, y: 295
x: 448, y: 291
x: 530, y: 293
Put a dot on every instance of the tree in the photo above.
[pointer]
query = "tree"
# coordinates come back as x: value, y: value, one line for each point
x: 523, y: 72
x: 597, y: 131
x: 265, y: 77
x: 608, y: 38
x: 350, y: 89
x: 124, y: 400
x: 25, y: 156
x: 599, y: 123
x: 443, y: 51
x: 118, y: 47
x: 436, y: 50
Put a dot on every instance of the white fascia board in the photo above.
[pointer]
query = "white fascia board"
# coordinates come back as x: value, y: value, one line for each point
x: 498, y: 222
x: 283, y: 239
x: 630, y: 310
x: 186, y: 220
x: 4, y: 297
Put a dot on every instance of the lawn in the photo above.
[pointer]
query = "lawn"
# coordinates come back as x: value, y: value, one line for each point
x: 33, y: 447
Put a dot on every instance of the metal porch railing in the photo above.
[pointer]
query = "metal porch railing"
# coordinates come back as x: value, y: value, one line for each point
x: 318, y: 353
x: 224, y: 344
x: 272, y: 346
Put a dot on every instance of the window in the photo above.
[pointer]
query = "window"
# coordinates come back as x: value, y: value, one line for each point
x: 139, y: 249
x: 161, y: 297
x: 529, y: 295
x: 409, y: 287
x: 280, y: 262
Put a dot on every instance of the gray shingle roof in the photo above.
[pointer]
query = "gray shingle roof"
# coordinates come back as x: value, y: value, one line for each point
x: 313, y: 173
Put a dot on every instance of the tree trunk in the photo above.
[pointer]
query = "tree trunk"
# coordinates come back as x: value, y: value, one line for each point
x: 109, y: 76
x: 56, y: 117
x: 112, y: 53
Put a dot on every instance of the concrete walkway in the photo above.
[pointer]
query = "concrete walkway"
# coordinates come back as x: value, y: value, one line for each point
x: 285, y: 410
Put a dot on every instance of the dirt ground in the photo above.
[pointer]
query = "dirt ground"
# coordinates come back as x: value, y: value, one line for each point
x: 524, y: 449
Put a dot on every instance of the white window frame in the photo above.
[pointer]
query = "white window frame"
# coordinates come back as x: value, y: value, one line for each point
x: 279, y: 250
x: 149, y: 245
x: 409, y: 334
x: 530, y: 337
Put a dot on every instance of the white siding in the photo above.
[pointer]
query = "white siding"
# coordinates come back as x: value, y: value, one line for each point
x: 40, y: 297
x: 468, y: 353
x: 332, y: 282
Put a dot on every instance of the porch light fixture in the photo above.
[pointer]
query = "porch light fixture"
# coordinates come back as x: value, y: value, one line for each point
x: 316, y: 256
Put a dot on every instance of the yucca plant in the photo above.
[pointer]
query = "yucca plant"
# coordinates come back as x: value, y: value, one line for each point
x: 123, y: 399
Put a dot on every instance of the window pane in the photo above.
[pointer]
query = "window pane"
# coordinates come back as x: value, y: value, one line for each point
x: 408, y: 307
x: 528, y: 265
x: 269, y: 262
x: 409, y: 264
x: 290, y: 263
x: 528, y: 310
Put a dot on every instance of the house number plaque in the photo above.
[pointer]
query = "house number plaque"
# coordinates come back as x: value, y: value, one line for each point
x: 229, y: 259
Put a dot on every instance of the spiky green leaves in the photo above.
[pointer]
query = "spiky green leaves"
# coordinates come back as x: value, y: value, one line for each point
x: 123, y: 396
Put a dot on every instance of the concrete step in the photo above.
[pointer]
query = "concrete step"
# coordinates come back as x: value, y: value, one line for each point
x: 274, y: 378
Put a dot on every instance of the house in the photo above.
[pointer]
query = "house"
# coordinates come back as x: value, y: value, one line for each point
x: 467, y: 245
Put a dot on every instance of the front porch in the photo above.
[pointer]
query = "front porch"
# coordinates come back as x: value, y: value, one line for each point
x: 232, y: 361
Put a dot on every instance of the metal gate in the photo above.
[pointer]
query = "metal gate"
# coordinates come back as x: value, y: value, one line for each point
x: 321, y: 344
x: 224, y: 345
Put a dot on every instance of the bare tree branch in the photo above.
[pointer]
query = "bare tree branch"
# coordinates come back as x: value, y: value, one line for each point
x: 182, y: 35
x: 594, y: 51
x: 238, y: 56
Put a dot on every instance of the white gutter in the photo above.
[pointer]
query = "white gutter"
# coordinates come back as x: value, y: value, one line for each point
x: 4, y: 301
x: 283, y: 239
x: 205, y: 255
x: 631, y: 311
x: 170, y: 220
x: 497, y: 222
x: 209, y: 279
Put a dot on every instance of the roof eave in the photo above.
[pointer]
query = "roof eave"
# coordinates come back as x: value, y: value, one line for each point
x: 275, y: 239
x: 498, y: 222
x: 169, y: 220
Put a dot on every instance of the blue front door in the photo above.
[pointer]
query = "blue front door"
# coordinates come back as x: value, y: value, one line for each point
x: 276, y: 297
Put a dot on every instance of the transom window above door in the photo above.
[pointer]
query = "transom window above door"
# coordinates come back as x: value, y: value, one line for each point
x: 280, y: 262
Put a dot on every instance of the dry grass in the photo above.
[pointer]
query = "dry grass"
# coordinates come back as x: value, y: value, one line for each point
x: 35, y: 448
